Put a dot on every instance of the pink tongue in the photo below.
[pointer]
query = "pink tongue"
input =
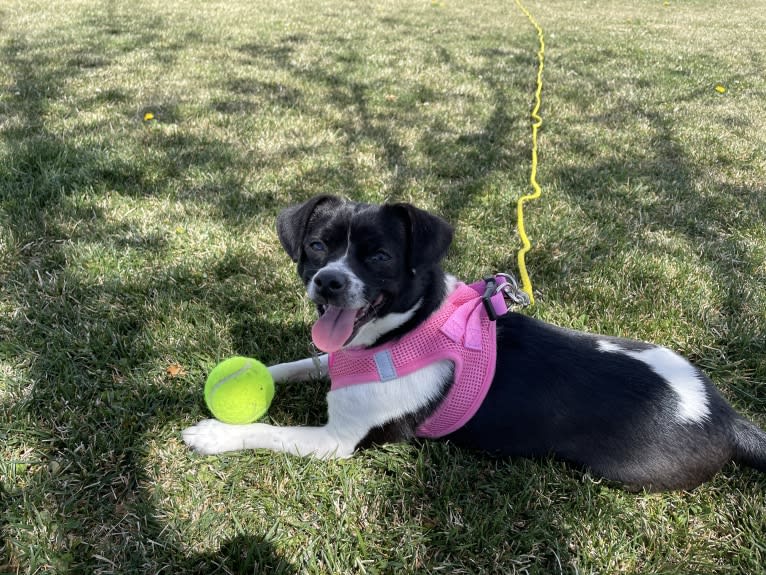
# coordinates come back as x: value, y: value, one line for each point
x: 334, y: 328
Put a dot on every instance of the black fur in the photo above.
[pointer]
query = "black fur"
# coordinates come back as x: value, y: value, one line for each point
x: 556, y: 393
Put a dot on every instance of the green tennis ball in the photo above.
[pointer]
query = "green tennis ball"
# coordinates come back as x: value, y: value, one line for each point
x: 239, y: 390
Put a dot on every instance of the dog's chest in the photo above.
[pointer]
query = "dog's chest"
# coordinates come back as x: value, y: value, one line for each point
x: 460, y: 333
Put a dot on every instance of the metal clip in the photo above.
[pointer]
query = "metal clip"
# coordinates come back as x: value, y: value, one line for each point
x: 317, y: 362
x: 511, y: 290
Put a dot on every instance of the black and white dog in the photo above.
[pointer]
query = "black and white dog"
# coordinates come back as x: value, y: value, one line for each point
x: 625, y: 410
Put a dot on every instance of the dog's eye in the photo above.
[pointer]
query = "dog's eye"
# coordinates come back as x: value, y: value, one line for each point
x: 317, y: 246
x: 380, y: 256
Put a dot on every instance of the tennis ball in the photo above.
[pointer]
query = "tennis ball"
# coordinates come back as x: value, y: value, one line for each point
x: 239, y: 390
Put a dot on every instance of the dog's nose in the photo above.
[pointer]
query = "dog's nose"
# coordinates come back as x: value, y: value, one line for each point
x: 331, y: 283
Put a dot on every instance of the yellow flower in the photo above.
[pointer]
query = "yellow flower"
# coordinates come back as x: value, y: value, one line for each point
x: 720, y: 88
x: 148, y: 116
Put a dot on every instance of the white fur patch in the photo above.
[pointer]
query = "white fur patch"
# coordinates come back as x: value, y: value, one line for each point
x: 450, y: 283
x: 370, y: 332
x: 365, y: 406
x: 354, y: 294
x: 678, y: 373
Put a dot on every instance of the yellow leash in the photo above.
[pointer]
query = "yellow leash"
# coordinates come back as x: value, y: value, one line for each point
x: 537, y: 121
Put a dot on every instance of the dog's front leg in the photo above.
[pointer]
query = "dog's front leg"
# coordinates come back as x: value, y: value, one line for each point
x: 302, y: 370
x: 211, y: 436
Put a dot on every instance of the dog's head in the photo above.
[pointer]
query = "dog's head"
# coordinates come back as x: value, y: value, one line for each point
x: 373, y: 271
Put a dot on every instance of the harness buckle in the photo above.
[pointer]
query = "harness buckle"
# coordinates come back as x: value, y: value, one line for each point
x: 490, y: 289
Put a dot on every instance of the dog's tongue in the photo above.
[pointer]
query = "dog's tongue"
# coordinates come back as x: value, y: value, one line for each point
x: 334, y: 328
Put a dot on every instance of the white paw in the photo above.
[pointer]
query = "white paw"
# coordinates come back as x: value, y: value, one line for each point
x: 210, y: 436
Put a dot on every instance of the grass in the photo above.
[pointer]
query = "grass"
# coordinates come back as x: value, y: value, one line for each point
x: 128, y: 246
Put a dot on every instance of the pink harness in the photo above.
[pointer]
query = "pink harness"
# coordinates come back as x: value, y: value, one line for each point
x: 460, y: 331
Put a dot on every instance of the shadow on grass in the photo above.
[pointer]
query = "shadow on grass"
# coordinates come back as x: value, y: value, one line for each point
x: 98, y: 398
x: 463, y: 164
x: 496, y: 513
x: 93, y: 397
x: 88, y: 397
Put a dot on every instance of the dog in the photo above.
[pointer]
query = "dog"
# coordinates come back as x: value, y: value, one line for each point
x: 627, y: 411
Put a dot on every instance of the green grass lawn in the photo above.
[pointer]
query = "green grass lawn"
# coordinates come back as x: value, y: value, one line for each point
x: 130, y: 245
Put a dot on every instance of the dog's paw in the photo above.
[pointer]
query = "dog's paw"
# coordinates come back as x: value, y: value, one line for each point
x: 210, y: 436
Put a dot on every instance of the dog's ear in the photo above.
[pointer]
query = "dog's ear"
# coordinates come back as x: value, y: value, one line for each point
x: 293, y: 221
x: 429, y: 236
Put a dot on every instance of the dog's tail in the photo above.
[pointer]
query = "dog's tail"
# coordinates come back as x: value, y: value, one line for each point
x: 750, y: 444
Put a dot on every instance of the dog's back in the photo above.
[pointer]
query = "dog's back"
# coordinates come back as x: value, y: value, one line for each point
x: 629, y: 411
